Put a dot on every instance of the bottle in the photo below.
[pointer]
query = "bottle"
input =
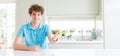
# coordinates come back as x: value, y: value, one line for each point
x: 93, y: 34
x: 88, y: 34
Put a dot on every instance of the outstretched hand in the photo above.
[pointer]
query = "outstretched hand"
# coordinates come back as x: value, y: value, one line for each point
x: 56, y: 36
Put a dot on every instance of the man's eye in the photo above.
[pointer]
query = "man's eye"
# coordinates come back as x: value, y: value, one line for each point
x: 34, y: 14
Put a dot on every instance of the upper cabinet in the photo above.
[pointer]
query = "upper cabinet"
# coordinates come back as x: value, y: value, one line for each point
x: 72, y: 7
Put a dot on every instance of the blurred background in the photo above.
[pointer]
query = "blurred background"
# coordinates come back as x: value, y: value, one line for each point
x: 83, y: 24
x: 80, y: 21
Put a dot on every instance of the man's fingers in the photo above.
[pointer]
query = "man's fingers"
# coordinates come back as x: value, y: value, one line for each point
x: 57, y: 32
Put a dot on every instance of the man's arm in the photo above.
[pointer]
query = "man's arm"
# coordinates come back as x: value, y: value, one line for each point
x: 53, y: 37
x: 19, y: 46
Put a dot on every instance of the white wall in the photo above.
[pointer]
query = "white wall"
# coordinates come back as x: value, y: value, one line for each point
x: 22, y: 15
x: 7, y: 1
x: 112, y: 23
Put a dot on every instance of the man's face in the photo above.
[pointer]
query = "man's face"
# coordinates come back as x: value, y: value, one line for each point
x: 36, y: 16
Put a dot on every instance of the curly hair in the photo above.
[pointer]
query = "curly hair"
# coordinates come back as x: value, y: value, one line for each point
x: 36, y: 8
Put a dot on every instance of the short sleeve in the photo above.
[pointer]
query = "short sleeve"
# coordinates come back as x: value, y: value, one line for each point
x: 48, y: 30
x: 21, y: 32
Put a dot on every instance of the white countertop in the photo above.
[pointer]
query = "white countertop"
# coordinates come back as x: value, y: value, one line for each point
x: 50, y: 52
x: 62, y: 52
x: 97, y: 41
x: 83, y: 41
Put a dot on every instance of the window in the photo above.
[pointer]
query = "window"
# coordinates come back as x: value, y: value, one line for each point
x: 7, y: 22
x: 62, y: 23
x: 85, y: 24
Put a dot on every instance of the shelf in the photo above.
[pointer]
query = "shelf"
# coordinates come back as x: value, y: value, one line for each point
x: 77, y: 42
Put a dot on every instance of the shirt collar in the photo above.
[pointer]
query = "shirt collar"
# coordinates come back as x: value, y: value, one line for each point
x: 30, y: 26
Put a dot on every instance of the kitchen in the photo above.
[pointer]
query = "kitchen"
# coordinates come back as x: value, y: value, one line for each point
x: 59, y: 16
x: 86, y: 18
x: 82, y: 23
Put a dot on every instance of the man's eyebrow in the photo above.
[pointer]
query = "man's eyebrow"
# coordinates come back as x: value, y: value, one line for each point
x: 33, y: 13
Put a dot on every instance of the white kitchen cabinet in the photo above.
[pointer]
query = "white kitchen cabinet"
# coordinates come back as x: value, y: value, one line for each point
x: 72, y: 7
x: 112, y: 24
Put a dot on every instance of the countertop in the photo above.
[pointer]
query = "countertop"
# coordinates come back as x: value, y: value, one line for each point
x: 49, y: 52
x: 82, y: 41
x: 97, y: 41
x: 62, y: 52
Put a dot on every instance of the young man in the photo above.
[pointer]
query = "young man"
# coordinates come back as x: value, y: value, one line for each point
x: 34, y: 33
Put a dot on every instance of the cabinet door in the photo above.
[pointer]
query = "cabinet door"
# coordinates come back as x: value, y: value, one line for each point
x: 112, y: 24
x: 72, y: 7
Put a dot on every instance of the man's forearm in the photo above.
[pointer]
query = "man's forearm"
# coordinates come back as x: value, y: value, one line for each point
x: 21, y: 47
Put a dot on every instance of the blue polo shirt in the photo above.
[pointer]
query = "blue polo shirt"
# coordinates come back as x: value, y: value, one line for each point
x: 35, y: 37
